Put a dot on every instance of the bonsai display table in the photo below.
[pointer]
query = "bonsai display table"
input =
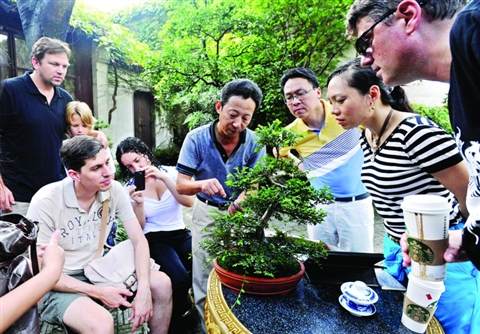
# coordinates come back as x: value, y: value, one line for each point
x: 311, y: 308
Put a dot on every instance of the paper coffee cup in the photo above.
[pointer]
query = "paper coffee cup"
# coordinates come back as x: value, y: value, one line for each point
x: 427, y: 218
x: 420, y: 303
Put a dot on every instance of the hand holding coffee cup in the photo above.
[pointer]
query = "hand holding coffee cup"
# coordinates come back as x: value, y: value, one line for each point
x: 427, y: 218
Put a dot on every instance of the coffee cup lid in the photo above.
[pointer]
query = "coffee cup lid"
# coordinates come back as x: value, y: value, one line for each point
x: 429, y: 204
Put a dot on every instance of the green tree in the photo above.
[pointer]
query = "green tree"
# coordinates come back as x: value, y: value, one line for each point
x: 145, y: 21
x: 123, y: 46
x: 295, y: 33
x: 274, y: 188
x: 126, y: 54
x: 438, y: 114
x: 204, y: 44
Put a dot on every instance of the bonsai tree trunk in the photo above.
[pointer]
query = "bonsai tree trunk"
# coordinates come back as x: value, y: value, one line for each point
x: 269, y: 150
x: 267, y: 214
x: 260, y: 234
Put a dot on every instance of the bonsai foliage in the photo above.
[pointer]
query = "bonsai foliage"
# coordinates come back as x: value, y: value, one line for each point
x: 275, y: 189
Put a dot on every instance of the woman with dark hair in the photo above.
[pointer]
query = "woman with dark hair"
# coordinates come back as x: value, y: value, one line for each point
x: 406, y: 154
x: 159, y: 211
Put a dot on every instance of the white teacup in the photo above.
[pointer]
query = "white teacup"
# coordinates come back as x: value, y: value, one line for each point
x: 358, y: 299
x: 427, y: 218
x: 420, y: 302
x: 359, y: 293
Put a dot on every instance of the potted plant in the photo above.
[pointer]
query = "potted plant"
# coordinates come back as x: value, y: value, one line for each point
x: 274, y: 189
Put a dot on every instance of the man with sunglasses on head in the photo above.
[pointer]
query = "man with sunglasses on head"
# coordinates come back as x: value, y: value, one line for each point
x: 407, y: 40
x: 332, y: 157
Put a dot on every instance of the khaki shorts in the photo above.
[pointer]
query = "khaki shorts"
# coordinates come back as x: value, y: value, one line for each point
x: 53, y: 305
x: 19, y: 207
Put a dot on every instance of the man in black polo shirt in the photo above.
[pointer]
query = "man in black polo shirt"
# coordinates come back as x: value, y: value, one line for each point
x: 32, y: 126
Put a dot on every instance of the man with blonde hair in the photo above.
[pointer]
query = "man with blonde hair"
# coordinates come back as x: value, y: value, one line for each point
x: 32, y: 125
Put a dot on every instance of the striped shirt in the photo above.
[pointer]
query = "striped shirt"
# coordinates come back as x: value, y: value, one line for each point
x: 403, y: 165
x: 331, y: 155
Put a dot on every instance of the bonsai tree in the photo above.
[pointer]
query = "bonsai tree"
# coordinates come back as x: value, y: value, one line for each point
x: 274, y: 188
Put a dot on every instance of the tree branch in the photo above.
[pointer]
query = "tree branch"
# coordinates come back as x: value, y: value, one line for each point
x: 333, y: 55
x: 115, y: 91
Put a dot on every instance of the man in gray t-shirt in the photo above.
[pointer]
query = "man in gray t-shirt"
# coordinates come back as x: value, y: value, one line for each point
x: 209, y: 153
x: 74, y: 207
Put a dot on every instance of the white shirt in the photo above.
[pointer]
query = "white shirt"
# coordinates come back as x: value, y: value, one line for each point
x: 164, y: 214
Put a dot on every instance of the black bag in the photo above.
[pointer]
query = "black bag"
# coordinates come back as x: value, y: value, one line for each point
x: 17, y: 234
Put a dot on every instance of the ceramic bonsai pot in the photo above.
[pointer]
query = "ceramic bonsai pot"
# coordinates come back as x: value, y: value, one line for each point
x: 258, y: 285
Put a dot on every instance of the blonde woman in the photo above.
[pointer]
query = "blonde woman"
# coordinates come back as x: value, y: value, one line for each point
x: 80, y: 121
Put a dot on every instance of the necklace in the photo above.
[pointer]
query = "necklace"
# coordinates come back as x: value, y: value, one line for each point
x: 376, y: 141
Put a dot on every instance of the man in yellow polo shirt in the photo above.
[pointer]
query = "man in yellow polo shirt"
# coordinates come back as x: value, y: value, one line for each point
x: 332, y: 157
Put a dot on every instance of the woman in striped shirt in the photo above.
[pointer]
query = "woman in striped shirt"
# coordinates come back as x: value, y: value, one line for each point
x: 405, y: 154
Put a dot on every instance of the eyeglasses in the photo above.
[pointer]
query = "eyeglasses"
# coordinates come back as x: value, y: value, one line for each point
x: 365, y: 40
x: 300, y: 95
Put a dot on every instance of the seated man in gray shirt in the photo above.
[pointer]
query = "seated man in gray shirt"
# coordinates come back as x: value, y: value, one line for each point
x: 209, y: 153
x: 74, y: 206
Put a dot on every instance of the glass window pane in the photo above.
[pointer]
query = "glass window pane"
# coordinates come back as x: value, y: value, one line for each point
x: 4, y: 60
x: 22, y: 54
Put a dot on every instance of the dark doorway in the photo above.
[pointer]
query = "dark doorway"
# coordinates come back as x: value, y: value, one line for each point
x: 144, y: 117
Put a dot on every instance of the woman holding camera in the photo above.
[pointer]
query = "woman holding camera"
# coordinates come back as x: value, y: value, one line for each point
x: 158, y: 208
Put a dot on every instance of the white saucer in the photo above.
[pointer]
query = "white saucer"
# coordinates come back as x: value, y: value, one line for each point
x: 364, y: 296
x: 357, y: 310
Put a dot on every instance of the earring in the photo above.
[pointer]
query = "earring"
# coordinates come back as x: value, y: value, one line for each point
x: 372, y: 108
